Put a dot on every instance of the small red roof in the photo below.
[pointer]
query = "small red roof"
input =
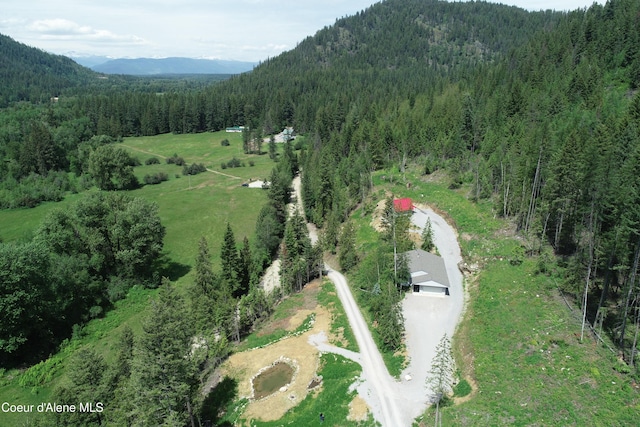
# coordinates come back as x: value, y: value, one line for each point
x: 403, y: 205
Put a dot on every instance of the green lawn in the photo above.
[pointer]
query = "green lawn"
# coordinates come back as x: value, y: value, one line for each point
x: 19, y: 224
x: 203, y: 148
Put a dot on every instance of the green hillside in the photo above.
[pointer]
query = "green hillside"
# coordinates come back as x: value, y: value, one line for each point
x: 524, y: 127
x: 47, y: 75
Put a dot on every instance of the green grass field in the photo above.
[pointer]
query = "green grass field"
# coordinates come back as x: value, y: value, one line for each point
x: 189, y: 208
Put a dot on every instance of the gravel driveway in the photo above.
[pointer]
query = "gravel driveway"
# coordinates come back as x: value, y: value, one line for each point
x: 428, y: 318
x: 396, y: 403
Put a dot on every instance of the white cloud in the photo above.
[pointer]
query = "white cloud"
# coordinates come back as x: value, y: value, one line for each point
x: 59, y: 27
x: 64, y: 29
x: 249, y: 30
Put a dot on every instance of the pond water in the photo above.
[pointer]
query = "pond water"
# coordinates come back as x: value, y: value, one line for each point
x: 270, y: 380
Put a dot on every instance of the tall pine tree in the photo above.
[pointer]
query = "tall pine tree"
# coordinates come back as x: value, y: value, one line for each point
x: 164, y: 378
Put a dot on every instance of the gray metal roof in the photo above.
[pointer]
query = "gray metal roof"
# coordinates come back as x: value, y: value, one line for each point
x: 425, y: 262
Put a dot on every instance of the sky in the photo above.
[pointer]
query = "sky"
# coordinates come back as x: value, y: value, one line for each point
x: 244, y: 30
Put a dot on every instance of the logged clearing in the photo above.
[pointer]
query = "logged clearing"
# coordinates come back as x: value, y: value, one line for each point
x: 296, y: 351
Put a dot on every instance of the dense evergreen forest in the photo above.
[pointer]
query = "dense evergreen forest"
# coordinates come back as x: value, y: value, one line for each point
x: 537, y: 112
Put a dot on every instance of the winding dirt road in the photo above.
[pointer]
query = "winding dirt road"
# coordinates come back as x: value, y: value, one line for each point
x: 377, y: 381
x: 396, y: 403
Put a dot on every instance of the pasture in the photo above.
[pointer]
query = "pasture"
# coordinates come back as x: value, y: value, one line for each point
x: 189, y: 208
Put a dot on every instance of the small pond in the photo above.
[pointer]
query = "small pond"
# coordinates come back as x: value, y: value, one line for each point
x: 271, y: 379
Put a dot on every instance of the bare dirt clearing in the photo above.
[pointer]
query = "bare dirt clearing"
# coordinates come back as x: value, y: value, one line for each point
x: 305, y: 356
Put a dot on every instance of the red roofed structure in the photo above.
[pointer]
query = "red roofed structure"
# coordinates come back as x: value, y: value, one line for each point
x: 403, y: 205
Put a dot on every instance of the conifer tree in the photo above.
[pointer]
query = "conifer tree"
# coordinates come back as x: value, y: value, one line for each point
x: 441, y: 376
x: 86, y: 385
x: 205, y: 290
x: 245, y: 267
x: 273, y: 150
x: 427, y: 237
x: 229, y: 260
x: 205, y: 277
x: 347, y: 255
x: 118, y: 377
x: 164, y: 377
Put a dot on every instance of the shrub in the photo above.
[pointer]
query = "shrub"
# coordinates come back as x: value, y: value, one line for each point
x: 152, y: 161
x: 225, y: 142
x: 234, y: 163
x: 463, y: 388
x: 252, y: 163
x: 193, y: 169
x: 134, y: 161
x: 176, y: 160
x: 40, y: 373
x: 155, y: 178
x: 34, y: 189
x: 223, y: 165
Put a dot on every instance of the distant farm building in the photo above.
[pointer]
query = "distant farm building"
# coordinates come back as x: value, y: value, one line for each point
x: 235, y: 129
x: 428, y: 273
x: 403, y: 205
x: 287, y: 134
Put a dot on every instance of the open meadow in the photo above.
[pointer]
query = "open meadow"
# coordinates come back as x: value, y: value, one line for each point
x: 189, y: 208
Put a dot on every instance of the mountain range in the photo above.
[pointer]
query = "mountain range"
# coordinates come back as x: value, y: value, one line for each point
x: 157, y: 66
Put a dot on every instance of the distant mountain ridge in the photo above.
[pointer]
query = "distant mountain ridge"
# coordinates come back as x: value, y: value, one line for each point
x: 175, y: 65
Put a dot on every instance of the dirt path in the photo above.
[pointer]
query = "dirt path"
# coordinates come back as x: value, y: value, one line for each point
x: 164, y: 157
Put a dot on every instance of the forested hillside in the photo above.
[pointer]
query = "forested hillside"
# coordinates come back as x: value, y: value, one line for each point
x: 30, y: 74
x: 531, y: 108
x: 538, y: 114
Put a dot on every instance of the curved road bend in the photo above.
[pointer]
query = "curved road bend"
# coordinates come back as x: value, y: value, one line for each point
x: 375, y: 371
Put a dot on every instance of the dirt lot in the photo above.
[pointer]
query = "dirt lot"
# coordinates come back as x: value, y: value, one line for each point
x: 296, y: 350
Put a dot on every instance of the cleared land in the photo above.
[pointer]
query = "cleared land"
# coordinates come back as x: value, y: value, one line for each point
x: 518, y: 341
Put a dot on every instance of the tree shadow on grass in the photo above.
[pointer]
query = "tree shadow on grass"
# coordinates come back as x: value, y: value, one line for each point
x: 171, y: 269
x: 217, y: 401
